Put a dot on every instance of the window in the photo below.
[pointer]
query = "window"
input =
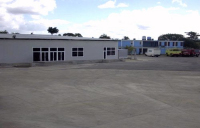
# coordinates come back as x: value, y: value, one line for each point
x: 173, y: 43
x: 181, y: 43
x: 110, y: 51
x: 165, y: 43
x: 48, y: 54
x: 77, y: 52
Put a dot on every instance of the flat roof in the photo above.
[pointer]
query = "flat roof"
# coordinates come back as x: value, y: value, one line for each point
x: 48, y: 37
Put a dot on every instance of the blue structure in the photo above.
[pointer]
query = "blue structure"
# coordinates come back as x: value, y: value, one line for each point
x: 142, y: 45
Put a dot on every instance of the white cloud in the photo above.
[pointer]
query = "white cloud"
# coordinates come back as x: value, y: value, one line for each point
x: 12, y: 15
x: 152, y: 22
x: 37, y: 7
x: 180, y: 2
x: 112, y: 4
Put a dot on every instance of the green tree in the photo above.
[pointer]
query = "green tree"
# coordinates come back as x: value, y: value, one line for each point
x: 171, y: 37
x: 4, y: 32
x: 104, y: 36
x: 68, y: 34
x: 126, y: 38
x: 192, y: 35
x: 52, y: 30
x: 190, y: 43
x: 78, y: 35
x: 131, y: 50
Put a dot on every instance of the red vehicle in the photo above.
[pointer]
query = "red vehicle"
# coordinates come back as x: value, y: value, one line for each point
x: 190, y: 52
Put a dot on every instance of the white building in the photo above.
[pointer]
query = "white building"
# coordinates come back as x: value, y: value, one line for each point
x: 24, y: 48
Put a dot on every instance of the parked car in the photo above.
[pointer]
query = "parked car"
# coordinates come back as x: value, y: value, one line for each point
x: 187, y: 52
x: 153, y: 52
x: 173, y: 52
x: 190, y: 52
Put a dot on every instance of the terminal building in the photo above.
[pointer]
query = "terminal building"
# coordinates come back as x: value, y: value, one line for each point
x: 29, y: 48
x: 142, y: 45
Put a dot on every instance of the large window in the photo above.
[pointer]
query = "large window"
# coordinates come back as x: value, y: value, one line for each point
x: 48, y: 54
x: 110, y: 51
x: 77, y: 52
x: 173, y: 43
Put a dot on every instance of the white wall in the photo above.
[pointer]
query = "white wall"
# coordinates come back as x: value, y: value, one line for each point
x: 21, y: 51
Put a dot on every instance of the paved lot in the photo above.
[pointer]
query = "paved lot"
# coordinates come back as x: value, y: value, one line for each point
x: 151, y: 92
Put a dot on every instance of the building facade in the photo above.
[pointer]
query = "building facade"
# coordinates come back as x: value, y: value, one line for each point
x: 23, y: 48
x: 142, y: 45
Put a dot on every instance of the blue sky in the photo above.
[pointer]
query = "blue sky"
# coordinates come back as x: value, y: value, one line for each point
x: 91, y: 18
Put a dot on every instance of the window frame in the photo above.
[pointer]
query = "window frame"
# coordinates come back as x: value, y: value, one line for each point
x: 45, y: 54
x: 111, y: 51
x: 77, y: 51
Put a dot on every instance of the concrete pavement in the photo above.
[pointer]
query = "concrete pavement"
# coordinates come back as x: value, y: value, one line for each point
x: 97, y: 96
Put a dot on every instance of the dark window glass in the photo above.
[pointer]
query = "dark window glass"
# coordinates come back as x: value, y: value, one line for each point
x: 51, y: 56
x: 55, y: 55
x: 74, y: 49
x: 113, y: 48
x: 104, y: 48
x: 45, y: 49
x: 80, y: 49
x: 45, y: 56
x: 181, y: 43
x: 59, y: 56
x: 108, y: 52
x: 108, y: 48
x: 36, y: 49
x: 61, y: 49
x: 36, y: 56
x: 113, y: 52
x: 80, y: 53
x: 53, y: 49
x: 63, y: 58
x: 74, y: 53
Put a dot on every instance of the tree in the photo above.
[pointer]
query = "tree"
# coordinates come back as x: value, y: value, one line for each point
x: 68, y: 34
x: 131, y: 50
x: 189, y: 43
x: 78, y: 35
x: 52, y: 30
x: 126, y: 38
x: 171, y: 37
x: 3, y: 32
x: 104, y: 36
x: 192, y: 35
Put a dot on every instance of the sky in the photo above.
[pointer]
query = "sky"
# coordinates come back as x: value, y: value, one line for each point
x: 92, y: 18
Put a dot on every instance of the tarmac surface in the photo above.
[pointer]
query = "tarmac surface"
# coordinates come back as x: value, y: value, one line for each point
x: 151, y: 92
